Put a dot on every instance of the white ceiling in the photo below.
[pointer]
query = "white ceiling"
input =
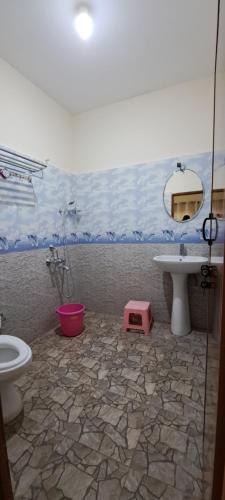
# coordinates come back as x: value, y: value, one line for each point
x: 137, y: 46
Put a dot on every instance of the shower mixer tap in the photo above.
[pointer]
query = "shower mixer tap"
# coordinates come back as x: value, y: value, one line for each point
x: 54, y: 258
x: 62, y: 265
x: 59, y: 263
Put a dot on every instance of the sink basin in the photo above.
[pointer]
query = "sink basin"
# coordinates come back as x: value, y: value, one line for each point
x: 180, y: 267
x: 179, y: 264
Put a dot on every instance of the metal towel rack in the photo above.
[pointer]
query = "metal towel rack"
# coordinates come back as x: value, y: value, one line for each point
x: 16, y: 172
x: 20, y: 164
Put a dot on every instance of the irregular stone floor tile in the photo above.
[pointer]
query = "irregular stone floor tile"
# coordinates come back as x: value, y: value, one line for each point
x: 110, y: 416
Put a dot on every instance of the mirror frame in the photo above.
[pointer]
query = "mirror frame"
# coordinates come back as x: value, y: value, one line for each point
x: 203, y: 197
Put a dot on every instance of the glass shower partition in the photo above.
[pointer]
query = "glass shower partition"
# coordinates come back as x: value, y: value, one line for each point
x: 214, y: 431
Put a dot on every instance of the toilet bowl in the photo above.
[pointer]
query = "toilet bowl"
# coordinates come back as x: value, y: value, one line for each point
x: 15, y: 356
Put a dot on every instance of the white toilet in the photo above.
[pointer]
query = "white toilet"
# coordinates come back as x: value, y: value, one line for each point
x: 15, y: 356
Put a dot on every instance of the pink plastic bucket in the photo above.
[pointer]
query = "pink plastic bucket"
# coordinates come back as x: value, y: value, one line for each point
x: 71, y: 319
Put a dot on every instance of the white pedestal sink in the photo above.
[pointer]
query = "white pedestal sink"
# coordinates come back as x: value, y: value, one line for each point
x: 180, y: 267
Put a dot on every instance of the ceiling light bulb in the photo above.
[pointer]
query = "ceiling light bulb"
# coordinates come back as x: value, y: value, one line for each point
x: 84, y: 23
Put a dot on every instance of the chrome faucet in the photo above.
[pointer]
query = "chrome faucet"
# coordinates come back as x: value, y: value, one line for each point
x: 2, y: 318
x: 182, y: 249
x: 54, y: 258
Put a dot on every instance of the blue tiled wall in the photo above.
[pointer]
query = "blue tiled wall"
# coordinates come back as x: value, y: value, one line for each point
x: 122, y: 205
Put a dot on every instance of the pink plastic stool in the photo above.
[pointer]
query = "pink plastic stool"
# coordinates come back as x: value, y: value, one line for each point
x: 137, y: 316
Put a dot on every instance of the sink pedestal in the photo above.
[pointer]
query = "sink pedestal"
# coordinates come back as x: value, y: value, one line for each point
x: 180, y: 321
x: 179, y: 267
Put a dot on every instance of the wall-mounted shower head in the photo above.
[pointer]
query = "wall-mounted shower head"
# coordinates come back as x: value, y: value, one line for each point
x: 70, y: 208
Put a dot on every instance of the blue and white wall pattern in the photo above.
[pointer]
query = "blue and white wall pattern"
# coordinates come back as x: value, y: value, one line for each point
x: 122, y: 205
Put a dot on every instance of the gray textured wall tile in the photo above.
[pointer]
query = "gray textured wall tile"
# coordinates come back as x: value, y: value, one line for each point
x: 105, y: 277
x: 110, y: 275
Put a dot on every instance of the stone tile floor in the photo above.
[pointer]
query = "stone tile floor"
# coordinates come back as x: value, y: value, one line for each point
x: 110, y: 416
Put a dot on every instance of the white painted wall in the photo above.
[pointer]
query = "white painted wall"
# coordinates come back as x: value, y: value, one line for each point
x: 219, y: 178
x: 31, y: 122
x: 161, y: 124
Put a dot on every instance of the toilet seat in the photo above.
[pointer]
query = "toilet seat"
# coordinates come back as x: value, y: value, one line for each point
x: 15, y: 356
x: 17, y: 345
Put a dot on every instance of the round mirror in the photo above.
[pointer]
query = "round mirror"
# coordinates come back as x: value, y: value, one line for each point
x: 183, y: 195
x: 218, y: 193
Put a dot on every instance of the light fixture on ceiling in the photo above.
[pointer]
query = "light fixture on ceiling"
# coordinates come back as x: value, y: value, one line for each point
x: 83, y: 22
